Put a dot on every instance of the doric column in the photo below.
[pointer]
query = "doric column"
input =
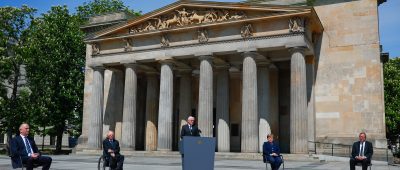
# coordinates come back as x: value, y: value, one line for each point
x: 298, y: 102
x: 151, y: 111
x: 205, y: 117
x: 263, y: 103
x: 165, y: 107
x: 310, y: 99
x: 129, y: 109
x: 249, y: 139
x: 113, y: 101
x: 273, y: 118
x: 223, y: 132
x: 185, y: 97
x: 96, y: 124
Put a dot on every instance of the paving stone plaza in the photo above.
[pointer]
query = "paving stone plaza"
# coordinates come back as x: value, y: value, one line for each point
x: 80, y: 162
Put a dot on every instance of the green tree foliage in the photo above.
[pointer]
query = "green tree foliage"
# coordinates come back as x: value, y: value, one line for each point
x: 392, y: 97
x: 13, y: 23
x: 54, y: 59
x: 98, y: 7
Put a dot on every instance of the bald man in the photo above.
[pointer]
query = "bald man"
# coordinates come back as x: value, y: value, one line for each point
x: 111, y: 152
x: 24, y: 147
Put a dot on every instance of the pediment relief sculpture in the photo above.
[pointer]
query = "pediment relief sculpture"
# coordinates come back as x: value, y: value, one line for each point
x: 247, y: 31
x: 296, y: 24
x: 184, y: 17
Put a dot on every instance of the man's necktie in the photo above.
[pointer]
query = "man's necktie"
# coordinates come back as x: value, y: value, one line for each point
x: 28, y: 146
x: 190, y: 128
x: 112, y: 143
x: 362, y: 150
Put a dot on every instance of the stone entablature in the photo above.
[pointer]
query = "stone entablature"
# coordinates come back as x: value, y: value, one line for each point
x: 201, y: 23
x: 226, y: 46
x: 173, y: 25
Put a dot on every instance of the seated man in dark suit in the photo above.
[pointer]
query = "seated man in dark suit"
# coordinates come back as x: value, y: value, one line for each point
x: 361, y: 152
x: 111, y: 152
x: 24, y: 148
x: 190, y: 129
x: 271, y: 152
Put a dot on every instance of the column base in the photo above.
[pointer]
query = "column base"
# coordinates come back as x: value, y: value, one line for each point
x: 127, y: 149
x: 164, y: 150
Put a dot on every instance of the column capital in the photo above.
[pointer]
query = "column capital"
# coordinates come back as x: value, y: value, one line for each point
x: 252, y: 54
x: 255, y: 55
x: 299, y: 49
x: 133, y: 66
x: 206, y: 57
x: 167, y: 62
x: 96, y: 65
x: 98, y: 68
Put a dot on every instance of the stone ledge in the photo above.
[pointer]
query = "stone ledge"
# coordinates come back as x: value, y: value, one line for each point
x: 218, y: 155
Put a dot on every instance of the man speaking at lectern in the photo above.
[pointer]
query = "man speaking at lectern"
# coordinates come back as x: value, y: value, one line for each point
x: 190, y: 129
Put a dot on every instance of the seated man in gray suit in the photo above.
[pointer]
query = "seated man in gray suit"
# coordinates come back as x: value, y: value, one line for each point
x: 190, y: 129
x: 361, y: 152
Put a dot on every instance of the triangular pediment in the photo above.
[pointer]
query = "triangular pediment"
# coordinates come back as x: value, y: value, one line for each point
x: 189, y: 14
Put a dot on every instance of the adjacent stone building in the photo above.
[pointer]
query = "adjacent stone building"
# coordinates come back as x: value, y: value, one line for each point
x: 306, y: 74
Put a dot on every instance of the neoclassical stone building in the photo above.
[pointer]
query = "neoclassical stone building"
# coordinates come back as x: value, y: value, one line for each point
x: 243, y: 70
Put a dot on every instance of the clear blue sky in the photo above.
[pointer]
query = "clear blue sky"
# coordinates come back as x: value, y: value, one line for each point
x: 389, y: 15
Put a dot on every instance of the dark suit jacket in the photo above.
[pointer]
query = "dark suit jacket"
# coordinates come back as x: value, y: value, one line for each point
x: 269, y: 148
x: 368, y: 150
x: 108, y: 145
x: 187, y: 132
x: 18, y: 150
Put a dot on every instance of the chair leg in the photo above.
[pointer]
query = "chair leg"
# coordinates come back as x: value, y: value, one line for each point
x: 266, y: 166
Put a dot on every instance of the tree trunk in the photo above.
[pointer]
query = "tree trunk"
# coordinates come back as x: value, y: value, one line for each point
x: 13, y: 103
x: 43, y: 135
x: 60, y: 131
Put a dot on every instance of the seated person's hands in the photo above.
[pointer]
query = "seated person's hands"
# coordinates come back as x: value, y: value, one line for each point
x: 34, y: 155
x: 361, y: 157
x: 274, y: 154
x: 111, y: 152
